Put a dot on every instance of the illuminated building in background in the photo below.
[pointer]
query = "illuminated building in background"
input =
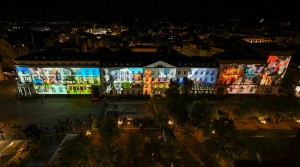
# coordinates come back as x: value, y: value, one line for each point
x: 157, y: 77
x: 65, y: 72
x: 147, y: 73
x: 276, y: 64
x: 202, y: 71
x: 122, y: 80
x: 257, y: 40
x: 239, y: 74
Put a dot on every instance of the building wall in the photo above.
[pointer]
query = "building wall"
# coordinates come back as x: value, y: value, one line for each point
x: 57, y: 80
x: 121, y: 80
x: 203, y: 78
x: 239, y: 78
x: 229, y: 78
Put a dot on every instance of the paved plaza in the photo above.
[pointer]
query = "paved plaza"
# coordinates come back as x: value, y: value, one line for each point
x: 48, y: 113
x: 43, y: 111
x: 52, y: 113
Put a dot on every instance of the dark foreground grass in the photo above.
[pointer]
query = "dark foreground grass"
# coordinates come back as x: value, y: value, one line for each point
x: 267, y: 148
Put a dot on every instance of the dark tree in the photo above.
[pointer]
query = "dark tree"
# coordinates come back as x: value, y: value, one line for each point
x: 169, y: 150
x: 76, y: 152
x: 109, y: 128
x: 134, y: 146
x: 201, y: 116
x: 173, y: 90
x: 186, y: 85
x: 176, y: 103
x: 223, y: 141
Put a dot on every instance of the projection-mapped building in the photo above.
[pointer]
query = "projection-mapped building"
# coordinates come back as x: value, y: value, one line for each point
x: 147, y: 73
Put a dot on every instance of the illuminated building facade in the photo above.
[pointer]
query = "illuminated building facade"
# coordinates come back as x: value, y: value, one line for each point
x: 66, y: 72
x: 239, y: 78
x: 251, y: 74
x: 122, y: 80
x: 147, y: 73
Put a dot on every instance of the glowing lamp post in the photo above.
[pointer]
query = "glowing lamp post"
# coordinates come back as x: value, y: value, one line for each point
x: 120, y: 122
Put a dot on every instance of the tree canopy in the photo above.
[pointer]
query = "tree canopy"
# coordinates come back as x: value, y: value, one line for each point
x: 202, y: 116
x: 109, y: 128
x: 76, y: 152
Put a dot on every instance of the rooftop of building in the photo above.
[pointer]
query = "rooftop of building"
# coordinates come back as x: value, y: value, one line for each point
x: 239, y: 56
x: 270, y: 46
x: 59, y: 55
x: 125, y: 57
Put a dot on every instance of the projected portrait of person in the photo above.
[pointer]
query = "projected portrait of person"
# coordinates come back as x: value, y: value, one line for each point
x: 137, y: 83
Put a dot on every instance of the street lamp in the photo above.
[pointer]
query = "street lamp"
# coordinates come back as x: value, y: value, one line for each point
x: 88, y: 133
x: 263, y: 121
x: 120, y: 122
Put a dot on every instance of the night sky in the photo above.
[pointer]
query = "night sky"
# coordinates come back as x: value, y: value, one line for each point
x: 146, y: 9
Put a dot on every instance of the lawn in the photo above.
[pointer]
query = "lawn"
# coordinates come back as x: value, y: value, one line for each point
x: 268, y: 148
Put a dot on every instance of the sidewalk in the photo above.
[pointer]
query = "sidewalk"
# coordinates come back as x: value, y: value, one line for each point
x: 10, y: 132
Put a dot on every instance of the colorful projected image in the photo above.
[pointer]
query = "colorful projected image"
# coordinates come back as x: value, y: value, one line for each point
x: 230, y: 74
x: 148, y: 82
x: 119, y: 79
x: 275, y: 70
x: 203, y: 79
x: 157, y: 78
x: 65, y: 80
x: 79, y: 89
x: 242, y: 89
x: 164, y: 73
x: 23, y: 74
x: 252, y: 73
x: 51, y: 88
x: 203, y: 75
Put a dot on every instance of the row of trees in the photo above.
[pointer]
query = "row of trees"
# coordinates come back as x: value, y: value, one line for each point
x: 221, y: 144
x: 86, y: 151
x: 215, y: 117
x: 101, y: 150
x: 237, y: 106
x: 266, y: 106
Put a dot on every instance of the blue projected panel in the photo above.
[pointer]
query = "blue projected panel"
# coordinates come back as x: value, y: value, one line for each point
x: 64, y: 80
x: 23, y: 74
